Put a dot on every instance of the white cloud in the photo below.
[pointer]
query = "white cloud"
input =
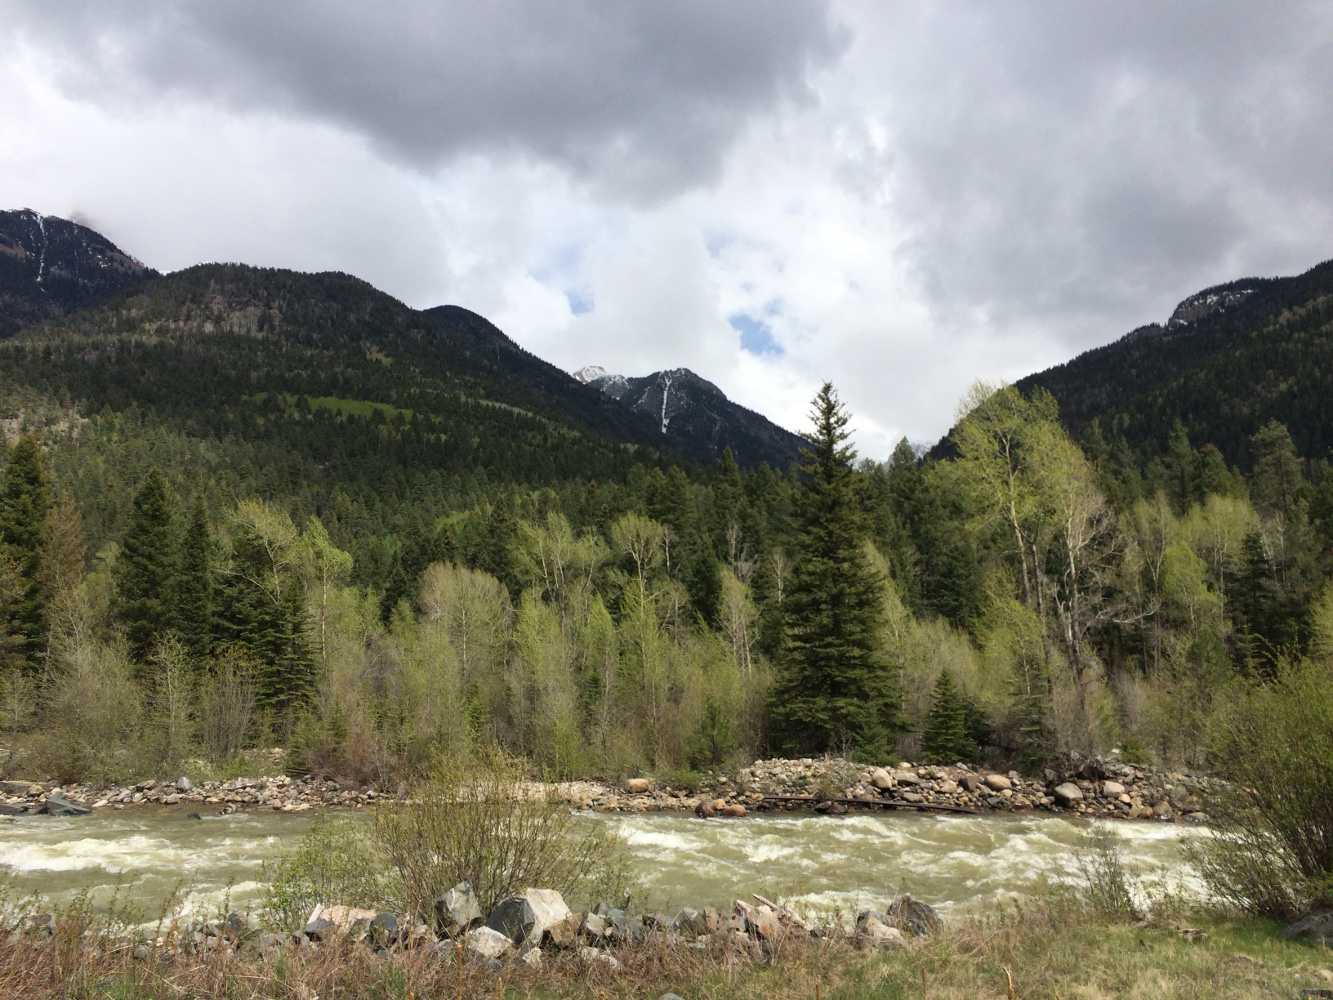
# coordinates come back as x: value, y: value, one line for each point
x: 907, y: 196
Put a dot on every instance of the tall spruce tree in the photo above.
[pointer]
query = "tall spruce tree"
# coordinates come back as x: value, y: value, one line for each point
x: 145, y: 570
x: 193, y: 609
x: 23, y: 513
x: 834, y: 691
x: 946, y: 739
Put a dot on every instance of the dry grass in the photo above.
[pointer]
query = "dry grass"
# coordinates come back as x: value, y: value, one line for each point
x: 1053, y: 952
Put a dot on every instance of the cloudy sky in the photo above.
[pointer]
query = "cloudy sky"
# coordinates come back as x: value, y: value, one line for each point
x: 897, y: 197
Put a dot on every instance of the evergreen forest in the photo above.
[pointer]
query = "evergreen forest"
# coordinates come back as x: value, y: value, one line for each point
x: 245, y: 509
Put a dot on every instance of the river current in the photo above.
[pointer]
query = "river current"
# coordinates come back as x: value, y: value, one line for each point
x: 957, y: 863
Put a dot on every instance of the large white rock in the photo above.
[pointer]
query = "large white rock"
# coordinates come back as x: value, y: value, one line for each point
x: 998, y: 782
x: 549, y: 909
x: 1112, y: 789
x: 488, y: 943
x: 881, y: 778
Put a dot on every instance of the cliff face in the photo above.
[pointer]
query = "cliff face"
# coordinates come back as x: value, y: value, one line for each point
x: 698, y: 416
x: 50, y: 267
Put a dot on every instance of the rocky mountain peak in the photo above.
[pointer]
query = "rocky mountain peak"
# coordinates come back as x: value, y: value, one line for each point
x: 698, y: 415
x: 51, y: 266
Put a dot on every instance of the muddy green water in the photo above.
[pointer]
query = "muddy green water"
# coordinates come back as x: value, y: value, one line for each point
x: 847, y: 862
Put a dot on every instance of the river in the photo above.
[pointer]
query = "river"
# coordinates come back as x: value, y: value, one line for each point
x: 848, y: 863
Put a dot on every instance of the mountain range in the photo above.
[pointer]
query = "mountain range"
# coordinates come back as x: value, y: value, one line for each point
x: 227, y: 349
x: 699, y: 415
x: 213, y: 339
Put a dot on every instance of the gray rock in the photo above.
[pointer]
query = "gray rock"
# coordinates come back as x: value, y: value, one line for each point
x: 183, y: 784
x: 15, y: 787
x: 1112, y: 789
x: 57, y: 805
x: 457, y: 911
x: 531, y: 957
x: 512, y: 917
x: 594, y: 926
x: 318, y: 929
x: 488, y: 945
x: 881, y: 778
x: 913, y: 915
x: 1317, y: 928
x: 9, y: 809
x: 998, y: 782
x: 548, y: 909
x: 383, y: 930
x: 971, y: 782
x: 591, y: 955
x: 906, y: 778
x: 1067, y: 794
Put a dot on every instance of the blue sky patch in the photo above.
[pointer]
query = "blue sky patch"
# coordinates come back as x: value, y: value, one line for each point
x: 579, y: 303
x: 756, y: 337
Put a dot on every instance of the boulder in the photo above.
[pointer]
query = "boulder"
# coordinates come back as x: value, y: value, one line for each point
x: 971, y: 782
x: 596, y: 955
x: 913, y: 915
x: 513, y: 918
x: 874, y: 933
x: 947, y: 787
x: 383, y: 930
x: 1162, y: 810
x: 1112, y: 789
x: 18, y: 787
x: 563, y: 933
x: 735, y: 810
x: 457, y: 911
x: 1067, y: 794
x: 906, y: 778
x: 998, y: 782
x: 594, y: 926
x: 548, y: 909
x: 318, y: 928
x: 9, y: 809
x: 881, y: 778
x: 57, y: 805
x: 637, y: 786
x: 1317, y: 928
x: 488, y: 945
x: 183, y: 784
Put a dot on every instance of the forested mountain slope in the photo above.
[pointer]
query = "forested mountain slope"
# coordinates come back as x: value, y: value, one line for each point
x: 1230, y: 359
x: 696, y: 414
x: 313, y: 387
x: 50, y: 267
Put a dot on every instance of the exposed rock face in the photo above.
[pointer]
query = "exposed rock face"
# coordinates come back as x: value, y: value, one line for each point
x: 50, y: 266
x: 699, y: 416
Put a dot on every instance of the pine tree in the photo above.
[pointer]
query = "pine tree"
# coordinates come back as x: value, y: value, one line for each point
x: 193, y: 609
x: 23, y: 513
x: 145, y: 570
x: 835, y: 692
x: 946, y: 740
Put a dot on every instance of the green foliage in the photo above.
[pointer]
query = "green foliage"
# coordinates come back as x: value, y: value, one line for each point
x: 946, y: 738
x: 1272, y: 740
x: 1104, y: 885
x: 24, y: 502
x: 145, y: 571
x: 834, y: 691
x: 476, y: 821
x: 337, y: 863
x: 193, y: 610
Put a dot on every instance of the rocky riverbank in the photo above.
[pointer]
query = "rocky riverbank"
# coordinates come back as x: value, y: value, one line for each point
x: 1094, y: 788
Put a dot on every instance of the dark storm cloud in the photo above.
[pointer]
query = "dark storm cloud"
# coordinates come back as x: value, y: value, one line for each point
x: 1069, y: 159
x: 641, y: 97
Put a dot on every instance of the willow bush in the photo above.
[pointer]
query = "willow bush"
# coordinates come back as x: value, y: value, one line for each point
x: 1272, y: 853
